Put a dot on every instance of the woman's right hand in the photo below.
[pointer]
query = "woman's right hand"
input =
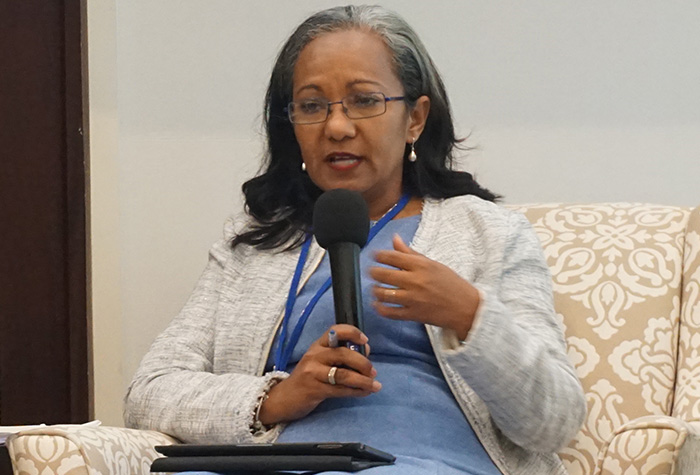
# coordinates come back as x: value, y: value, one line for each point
x: 308, y: 385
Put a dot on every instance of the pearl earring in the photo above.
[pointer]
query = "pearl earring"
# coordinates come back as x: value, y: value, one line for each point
x: 412, y: 157
x: 303, y: 166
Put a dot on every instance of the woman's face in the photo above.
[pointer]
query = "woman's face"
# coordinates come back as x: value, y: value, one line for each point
x: 365, y: 155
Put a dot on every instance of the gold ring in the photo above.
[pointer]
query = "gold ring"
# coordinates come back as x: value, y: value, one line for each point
x: 331, y: 375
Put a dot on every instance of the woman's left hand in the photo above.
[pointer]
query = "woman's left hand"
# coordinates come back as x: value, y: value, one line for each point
x: 424, y: 290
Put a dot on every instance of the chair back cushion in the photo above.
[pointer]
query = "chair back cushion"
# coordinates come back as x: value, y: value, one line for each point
x: 616, y: 272
x: 686, y: 404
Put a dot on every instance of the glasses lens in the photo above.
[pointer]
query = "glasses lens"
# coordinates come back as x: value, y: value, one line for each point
x: 308, y: 111
x: 365, y: 104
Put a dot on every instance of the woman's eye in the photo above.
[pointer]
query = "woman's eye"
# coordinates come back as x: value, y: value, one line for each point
x: 364, y: 100
x: 310, y: 107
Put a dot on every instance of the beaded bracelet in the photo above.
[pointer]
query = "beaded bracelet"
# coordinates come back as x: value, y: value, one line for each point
x: 258, y: 426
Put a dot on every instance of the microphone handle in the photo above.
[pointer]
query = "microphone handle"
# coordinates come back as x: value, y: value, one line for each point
x: 347, y: 292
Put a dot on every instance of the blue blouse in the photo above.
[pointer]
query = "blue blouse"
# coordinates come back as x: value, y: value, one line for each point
x: 414, y: 416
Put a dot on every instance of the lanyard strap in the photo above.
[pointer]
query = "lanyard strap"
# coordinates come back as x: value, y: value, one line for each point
x: 284, y: 351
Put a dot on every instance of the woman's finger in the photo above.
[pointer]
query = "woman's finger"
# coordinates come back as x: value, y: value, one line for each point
x: 399, y: 260
x: 401, y: 246
x: 343, y: 332
x: 402, y: 257
x: 392, y: 277
x: 346, y: 357
x: 343, y: 378
x: 389, y: 295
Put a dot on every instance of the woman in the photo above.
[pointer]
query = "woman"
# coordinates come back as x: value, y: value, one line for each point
x: 473, y: 370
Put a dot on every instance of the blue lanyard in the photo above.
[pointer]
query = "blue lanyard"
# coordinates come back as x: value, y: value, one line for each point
x: 284, y: 351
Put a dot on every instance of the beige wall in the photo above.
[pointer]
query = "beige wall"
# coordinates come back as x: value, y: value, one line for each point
x: 106, y: 298
x: 567, y: 101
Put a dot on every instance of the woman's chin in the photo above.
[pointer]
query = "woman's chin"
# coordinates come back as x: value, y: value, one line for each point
x: 352, y: 185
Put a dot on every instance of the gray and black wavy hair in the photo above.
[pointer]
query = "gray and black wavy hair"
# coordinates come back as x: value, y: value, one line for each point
x: 281, y: 197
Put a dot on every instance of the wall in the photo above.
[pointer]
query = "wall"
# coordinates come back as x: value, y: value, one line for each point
x: 565, y: 101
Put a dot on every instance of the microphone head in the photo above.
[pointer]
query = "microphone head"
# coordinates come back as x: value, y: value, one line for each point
x: 341, y: 216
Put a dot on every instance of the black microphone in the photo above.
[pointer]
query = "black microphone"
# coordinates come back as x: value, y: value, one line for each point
x: 341, y: 225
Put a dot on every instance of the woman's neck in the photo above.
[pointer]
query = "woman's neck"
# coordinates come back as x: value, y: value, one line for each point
x: 412, y: 208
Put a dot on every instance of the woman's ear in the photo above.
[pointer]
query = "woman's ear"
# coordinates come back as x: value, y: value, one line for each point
x: 417, y: 117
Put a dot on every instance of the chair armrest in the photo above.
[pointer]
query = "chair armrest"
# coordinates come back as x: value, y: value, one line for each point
x: 652, y: 444
x: 76, y: 450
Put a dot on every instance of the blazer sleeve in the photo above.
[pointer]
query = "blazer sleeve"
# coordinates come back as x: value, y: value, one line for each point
x: 175, y: 390
x: 515, y: 356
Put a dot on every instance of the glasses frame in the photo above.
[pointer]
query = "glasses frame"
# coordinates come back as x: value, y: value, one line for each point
x: 291, y: 105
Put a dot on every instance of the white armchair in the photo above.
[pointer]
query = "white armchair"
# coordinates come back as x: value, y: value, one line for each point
x: 627, y: 291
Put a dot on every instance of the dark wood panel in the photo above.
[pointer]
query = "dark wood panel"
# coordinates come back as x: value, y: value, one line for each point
x: 5, y: 463
x: 43, y: 343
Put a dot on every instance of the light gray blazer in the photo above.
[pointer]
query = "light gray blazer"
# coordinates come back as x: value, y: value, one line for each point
x: 202, y: 377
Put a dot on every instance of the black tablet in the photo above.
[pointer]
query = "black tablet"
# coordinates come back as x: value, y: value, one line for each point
x: 356, y: 450
x: 250, y: 464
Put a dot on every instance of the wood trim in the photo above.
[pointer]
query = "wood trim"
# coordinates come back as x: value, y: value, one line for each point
x: 75, y: 99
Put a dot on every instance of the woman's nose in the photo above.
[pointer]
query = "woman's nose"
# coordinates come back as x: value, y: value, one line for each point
x: 338, y: 126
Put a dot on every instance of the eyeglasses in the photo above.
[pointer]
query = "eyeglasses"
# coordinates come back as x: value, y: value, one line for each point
x: 360, y: 105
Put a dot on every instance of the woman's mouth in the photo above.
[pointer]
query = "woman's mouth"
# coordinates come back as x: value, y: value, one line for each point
x: 342, y: 161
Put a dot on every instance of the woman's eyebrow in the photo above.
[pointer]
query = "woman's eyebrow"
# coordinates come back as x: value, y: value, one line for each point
x: 354, y: 82
x: 363, y: 81
x: 308, y: 86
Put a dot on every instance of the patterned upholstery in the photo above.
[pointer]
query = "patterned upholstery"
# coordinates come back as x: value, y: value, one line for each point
x: 652, y: 445
x: 76, y: 450
x: 627, y: 291
x: 626, y: 287
x: 686, y: 403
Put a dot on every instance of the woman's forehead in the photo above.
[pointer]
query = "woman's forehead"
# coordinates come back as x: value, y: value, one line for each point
x: 346, y: 58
